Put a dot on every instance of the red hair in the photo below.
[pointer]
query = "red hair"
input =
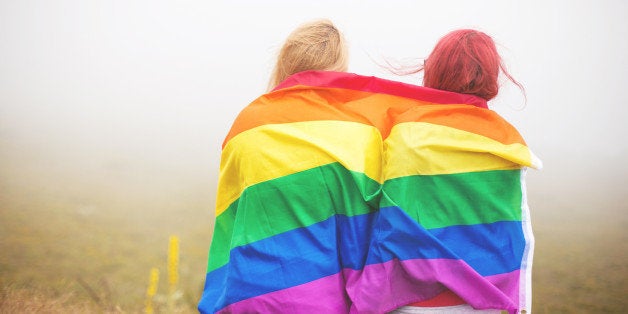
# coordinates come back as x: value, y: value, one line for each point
x: 466, y: 61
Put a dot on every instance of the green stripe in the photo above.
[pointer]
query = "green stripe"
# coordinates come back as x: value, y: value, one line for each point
x: 437, y: 201
x: 291, y: 202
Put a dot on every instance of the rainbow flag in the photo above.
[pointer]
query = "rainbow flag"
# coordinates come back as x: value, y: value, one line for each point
x: 341, y: 193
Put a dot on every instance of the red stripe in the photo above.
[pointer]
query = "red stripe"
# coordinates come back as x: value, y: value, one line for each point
x: 377, y: 85
x: 446, y: 298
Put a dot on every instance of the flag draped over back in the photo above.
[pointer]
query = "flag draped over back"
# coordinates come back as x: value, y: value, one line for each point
x: 343, y: 193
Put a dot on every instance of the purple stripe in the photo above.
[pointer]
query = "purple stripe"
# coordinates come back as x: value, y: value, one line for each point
x: 381, y: 288
x: 384, y: 287
x: 507, y: 283
x: 325, y: 295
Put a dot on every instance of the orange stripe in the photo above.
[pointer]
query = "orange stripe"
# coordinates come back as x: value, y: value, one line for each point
x: 467, y: 118
x: 299, y: 103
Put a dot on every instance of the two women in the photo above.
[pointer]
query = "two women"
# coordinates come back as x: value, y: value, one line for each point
x: 344, y: 193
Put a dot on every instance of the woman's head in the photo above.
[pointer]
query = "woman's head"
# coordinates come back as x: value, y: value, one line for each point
x: 317, y: 45
x: 465, y: 61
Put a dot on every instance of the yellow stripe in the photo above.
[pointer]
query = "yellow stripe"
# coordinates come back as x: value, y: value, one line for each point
x: 272, y: 151
x: 423, y: 148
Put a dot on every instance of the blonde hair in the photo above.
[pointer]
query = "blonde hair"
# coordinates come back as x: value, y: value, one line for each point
x: 316, y: 45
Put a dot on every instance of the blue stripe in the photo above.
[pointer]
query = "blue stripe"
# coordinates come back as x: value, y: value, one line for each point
x: 323, y: 249
x: 490, y: 249
x: 284, y: 260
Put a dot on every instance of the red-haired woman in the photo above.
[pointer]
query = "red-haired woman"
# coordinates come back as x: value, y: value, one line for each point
x: 464, y: 61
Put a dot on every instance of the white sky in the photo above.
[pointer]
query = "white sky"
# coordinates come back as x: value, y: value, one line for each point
x: 126, y: 84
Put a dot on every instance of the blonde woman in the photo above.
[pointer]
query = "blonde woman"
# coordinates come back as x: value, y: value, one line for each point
x: 233, y: 281
x: 316, y: 45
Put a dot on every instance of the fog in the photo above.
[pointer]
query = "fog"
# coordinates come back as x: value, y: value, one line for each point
x: 137, y: 96
x: 112, y: 116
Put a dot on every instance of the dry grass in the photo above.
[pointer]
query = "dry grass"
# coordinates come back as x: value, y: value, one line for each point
x: 91, y: 250
x: 17, y: 301
x: 580, y: 257
x: 76, y: 246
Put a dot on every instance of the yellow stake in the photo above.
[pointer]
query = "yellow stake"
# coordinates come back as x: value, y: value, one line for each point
x: 151, y: 290
x: 173, y: 269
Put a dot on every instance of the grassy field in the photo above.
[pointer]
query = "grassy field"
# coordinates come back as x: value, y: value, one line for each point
x: 581, y: 251
x: 89, y: 242
x: 72, y: 246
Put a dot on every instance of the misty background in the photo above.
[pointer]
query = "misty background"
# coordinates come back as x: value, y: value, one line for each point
x: 117, y: 109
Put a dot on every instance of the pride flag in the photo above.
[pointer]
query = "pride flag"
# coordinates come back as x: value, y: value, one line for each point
x: 340, y: 193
